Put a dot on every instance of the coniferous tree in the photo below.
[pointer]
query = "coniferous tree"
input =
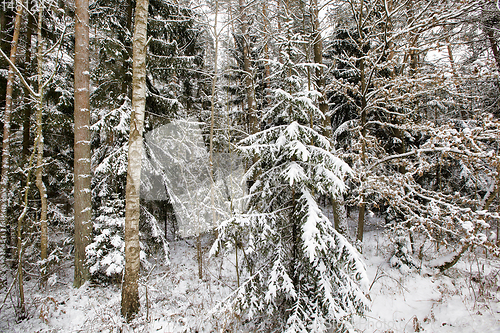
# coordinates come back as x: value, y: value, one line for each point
x: 302, y: 275
x: 111, y: 110
x: 82, y: 175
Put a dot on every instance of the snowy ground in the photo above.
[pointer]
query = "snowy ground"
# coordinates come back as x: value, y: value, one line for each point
x: 173, y: 299
x: 431, y: 301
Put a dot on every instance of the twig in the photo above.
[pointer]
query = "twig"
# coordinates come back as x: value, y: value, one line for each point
x: 376, y: 277
x: 220, y: 280
x: 8, y: 292
x: 21, y: 77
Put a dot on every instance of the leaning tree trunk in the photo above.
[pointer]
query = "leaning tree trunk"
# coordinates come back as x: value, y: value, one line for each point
x: 82, y: 176
x: 130, y: 288
x: 6, y: 148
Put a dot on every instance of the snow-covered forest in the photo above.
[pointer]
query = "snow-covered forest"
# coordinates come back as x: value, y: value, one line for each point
x: 250, y: 166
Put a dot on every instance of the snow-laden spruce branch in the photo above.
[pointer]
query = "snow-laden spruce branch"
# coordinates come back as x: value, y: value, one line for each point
x: 225, y: 304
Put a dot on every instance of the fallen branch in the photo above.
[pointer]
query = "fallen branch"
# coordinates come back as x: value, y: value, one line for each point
x: 448, y: 264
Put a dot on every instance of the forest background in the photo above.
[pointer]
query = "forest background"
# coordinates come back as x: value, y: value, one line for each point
x: 302, y: 116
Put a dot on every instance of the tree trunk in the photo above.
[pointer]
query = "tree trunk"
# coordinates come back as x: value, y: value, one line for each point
x: 3, y: 30
x: 212, y: 113
x: 27, y: 60
x: 199, y: 256
x: 20, y: 224
x: 362, y: 204
x: 82, y: 175
x: 28, y: 67
x: 266, y: 54
x: 130, y: 288
x: 323, y: 102
x: 463, y: 112
x: 320, y: 78
x: 362, y: 124
x: 249, y: 87
x: 39, y: 156
x: 6, y: 149
x: 494, y: 46
x: 340, y: 216
x: 413, y: 53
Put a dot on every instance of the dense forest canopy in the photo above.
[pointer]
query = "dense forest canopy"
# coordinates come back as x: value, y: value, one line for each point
x: 250, y: 127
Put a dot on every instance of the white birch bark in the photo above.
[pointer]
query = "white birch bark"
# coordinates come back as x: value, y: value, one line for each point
x: 130, y: 290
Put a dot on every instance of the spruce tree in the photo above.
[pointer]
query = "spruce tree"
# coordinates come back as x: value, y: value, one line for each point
x: 303, y: 276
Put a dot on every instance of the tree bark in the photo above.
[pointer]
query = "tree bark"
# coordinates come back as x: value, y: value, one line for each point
x: 130, y: 289
x: 82, y: 173
x: 323, y: 103
x: 6, y: 148
x: 39, y: 156
x: 266, y: 54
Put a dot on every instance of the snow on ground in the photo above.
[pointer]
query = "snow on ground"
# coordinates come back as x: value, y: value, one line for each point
x: 430, y: 301
x: 173, y: 299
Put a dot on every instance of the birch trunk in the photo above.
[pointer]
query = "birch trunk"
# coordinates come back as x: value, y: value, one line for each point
x: 6, y: 148
x: 130, y: 290
x: 82, y: 175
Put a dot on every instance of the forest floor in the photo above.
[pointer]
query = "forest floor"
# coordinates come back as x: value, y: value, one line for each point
x: 466, y: 298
